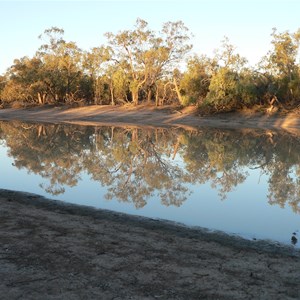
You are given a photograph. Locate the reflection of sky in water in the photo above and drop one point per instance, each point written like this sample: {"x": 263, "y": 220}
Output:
{"x": 245, "y": 211}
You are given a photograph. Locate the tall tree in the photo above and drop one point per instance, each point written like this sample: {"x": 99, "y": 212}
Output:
{"x": 224, "y": 85}
{"x": 146, "y": 56}
{"x": 25, "y": 83}
{"x": 195, "y": 82}
{"x": 94, "y": 64}
{"x": 62, "y": 65}
{"x": 280, "y": 63}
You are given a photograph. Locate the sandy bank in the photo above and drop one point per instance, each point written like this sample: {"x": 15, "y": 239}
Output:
{"x": 52, "y": 250}
{"x": 151, "y": 117}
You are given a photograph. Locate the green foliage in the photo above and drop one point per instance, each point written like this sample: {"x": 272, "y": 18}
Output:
{"x": 228, "y": 85}
{"x": 194, "y": 84}
{"x": 224, "y": 90}
{"x": 24, "y": 81}
{"x": 284, "y": 53}
{"x": 247, "y": 90}
{"x": 281, "y": 63}
{"x": 61, "y": 66}
{"x": 227, "y": 57}
{"x": 147, "y": 56}
{"x": 141, "y": 64}
{"x": 14, "y": 92}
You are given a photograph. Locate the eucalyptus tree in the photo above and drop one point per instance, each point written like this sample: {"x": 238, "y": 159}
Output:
{"x": 62, "y": 63}
{"x": 24, "y": 82}
{"x": 195, "y": 81}
{"x": 284, "y": 53}
{"x": 118, "y": 84}
{"x": 3, "y": 81}
{"x": 281, "y": 64}
{"x": 164, "y": 92}
{"x": 95, "y": 65}
{"x": 147, "y": 56}
{"x": 224, "y": 88}
{"x": 169, "y": 51}
{"x": 129, "y": 47}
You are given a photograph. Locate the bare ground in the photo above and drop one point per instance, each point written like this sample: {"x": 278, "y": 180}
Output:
{"x": 52, "y": 250}
{"x": 152, "y": 116}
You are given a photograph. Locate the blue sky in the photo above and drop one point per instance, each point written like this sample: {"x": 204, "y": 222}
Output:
{"x": 248, "y": 24}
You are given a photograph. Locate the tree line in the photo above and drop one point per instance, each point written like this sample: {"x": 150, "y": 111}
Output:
{"x": 143, "y": 65}
{"x": 135, "y": 164}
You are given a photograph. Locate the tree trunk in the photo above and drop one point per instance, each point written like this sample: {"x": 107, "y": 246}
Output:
{"x": 97, "y": 95}
{"x": 41, "y": 98}
{"x": 176, "y": 149}
{"x": 149, "y": 96}
{"x": 134, "y": 135}
{"x": 112, "y": 94}
{"x": 271, "y": 108}
{"x": 41, "y": 130}
{"x": 177, "y": 91}
{"x": 135, "y": 96}
{"x": 157, "y": 97}
{"x": 134, "y": 89}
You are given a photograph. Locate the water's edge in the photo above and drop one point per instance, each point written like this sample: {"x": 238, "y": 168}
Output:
{"x": 178, "y": 229}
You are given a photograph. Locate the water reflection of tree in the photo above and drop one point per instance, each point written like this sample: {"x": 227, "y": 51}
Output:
{"x": 132, "y": 163}
{"x": 135, "y": 164}
{"x": 212, "y": 157}
{"x": 45, "y": 150}
{"x": 284, "y": 173}
{"x": 221, "y": 157}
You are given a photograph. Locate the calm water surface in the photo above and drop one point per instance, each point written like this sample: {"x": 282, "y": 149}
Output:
{"x": 244, "y": 182}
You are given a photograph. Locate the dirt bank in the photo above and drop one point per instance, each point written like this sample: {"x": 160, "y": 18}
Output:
{"x": 51, "y": 250}
{"x": 151, "y": 116}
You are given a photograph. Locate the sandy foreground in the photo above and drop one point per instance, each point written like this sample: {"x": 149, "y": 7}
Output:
{"x": 53, "y": 250}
